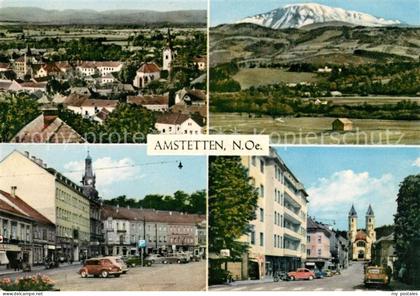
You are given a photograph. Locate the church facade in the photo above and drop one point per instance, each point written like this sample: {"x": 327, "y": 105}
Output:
{"x": 360, "y": 240}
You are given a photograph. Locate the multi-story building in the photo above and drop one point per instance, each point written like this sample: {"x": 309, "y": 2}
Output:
{"x": 16, "y": 235}
{"x": 163, "y": 231}
{"x": 277, "y": 238}
{"x": 318, "y": 244}
{"x": 89, "y": 190}
{"x": 55, "y": 196}
{"x": 43, "y": 230}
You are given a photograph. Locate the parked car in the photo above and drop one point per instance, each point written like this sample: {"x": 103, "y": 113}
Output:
{"x": 376, "y": 275}
{"x": 319, "y": 274}
{"x": 103, "y": 267}
{"x": 328, "y": 272}
{"x": 280, "y": 276}
{"x": 177, "y": 259}
{"x": 301, "y": 274}
{"x": 157, "y": 258}
{"x": 134, "y": 261}
{"x": 121, "y": 262}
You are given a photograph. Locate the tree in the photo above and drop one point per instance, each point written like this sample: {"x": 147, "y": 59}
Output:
{"x": 232, "y": 204}
{"x": 129, "y": 124}
{"x": 15, "y": 112}
{"x": 407, "y": 223}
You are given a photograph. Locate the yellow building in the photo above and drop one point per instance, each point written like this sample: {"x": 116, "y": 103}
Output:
{"x": 53, "y": 195}
{"x": 361, "y": 241}
{"x": 278, "y": 235}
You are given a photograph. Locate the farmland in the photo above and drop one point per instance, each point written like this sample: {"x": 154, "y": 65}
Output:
{"x": 317, "y": 130}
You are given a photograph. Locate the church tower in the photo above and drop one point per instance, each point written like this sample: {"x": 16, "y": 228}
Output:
{"x": 370, "y": 224}
{"x": 352, "y": 224}
{"x": 89, "y": 179}
{"x": 168, "y": 54}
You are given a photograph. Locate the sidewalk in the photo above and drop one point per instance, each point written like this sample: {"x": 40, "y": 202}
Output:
{"x": 399, "y": 286}
{"x": 245, "y": 282}
{"x": 38, "y": 268}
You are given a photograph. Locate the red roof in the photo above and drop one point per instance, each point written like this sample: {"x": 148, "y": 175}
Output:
{"x": 150, "y": 215}
{"x": 361, "y": 235}
{"x": 149, "y": 68}
{"x": 25, "y": 208}
{"x": 148, "y": 100}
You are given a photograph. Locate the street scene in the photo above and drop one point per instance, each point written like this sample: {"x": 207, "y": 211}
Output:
{"x": 339, "y": 220}
{"x": 76, "y": 74}
{"x": 120, "y": 223}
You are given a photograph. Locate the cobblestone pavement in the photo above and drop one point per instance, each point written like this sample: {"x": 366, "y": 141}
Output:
{"x": 159, "y": 277}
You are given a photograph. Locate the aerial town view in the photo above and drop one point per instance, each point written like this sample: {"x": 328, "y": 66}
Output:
{"x": 75, "y": 74}
{"x": 339, "y": 220}
{"x": 309, "y": 73}
{"x": 76, "y": 219}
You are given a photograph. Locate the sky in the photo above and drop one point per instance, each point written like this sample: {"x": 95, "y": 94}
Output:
{"x": 228, "y": 11}
{"x": 336, "y": 178}
{"x": 100, "y": 5}
{"x": 138, "y": 181}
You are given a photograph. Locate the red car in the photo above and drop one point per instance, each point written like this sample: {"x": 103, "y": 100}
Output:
{"x": 301, "y": 274}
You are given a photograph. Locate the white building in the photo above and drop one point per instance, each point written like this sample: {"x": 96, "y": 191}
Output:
{"x": 178, "y": 123}
{"x": 153, "y": 103}
{"x": 87, "y": 107}
{"x": 146, "y": 74}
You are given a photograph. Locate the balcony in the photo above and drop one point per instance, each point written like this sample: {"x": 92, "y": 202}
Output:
{"x": 292, "y": 198}
{"x": 292, "y": 216}
{"x": 292, "y": 234}
{"x": 291, "y": 253}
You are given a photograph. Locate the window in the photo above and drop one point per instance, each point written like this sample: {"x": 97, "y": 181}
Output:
{"x": 275, "y": 218}
{"x": 308, "y": 238}
{"x": 308, "y": 252}
{"x": 275, "y": 241}
{"x": 262, "y": 166}
{"x": 262, "y": 190}
{"x": 319, "y": 239}
{"x": 252, "y": 235}
{"x": 261, "y": 239}
{"x": 261, "y": 214}
{"x": 319, "y": 252}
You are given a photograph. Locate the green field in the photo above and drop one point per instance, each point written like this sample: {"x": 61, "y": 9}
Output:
{"x": 372, "y": 100}
{"x": 248, "y": 77}
{"x": 317, "y": 130}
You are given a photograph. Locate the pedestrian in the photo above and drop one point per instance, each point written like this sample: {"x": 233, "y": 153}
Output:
{"x": 20, "y": 263}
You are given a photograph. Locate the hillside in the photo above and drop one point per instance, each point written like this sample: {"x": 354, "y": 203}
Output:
{"x": 334, "y": 43}
{"x": 91, "y": 17}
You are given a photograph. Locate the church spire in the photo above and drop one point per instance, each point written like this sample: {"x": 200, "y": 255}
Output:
{"x": 89, "y": 179}
{"x": 352, "y": 212}
{"x": 370, "y": 211}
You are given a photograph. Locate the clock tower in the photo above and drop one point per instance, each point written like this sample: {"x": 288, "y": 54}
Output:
{"x": 89, "y": 179}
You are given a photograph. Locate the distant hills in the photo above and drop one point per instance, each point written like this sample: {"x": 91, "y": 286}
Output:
{"x": 300, "y": 15}
{"x": 91, "y": 17}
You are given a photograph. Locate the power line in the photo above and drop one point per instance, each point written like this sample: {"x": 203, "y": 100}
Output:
{"x": 96, "y": 169}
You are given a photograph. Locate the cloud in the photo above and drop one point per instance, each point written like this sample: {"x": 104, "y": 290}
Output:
{"x": 332, "y": 197}
{"x": 416, "y": 163}
{"x": 108, "y": 172}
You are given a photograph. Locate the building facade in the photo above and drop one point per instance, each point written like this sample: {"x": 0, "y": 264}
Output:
{"x": 319, "y": 244}
{"x": 53, "y": 195}
{"x": 361, "y": 241}
{"x": 277, "y": 238}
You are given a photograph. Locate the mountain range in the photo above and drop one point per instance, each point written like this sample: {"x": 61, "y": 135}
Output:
{"x": 300, "y": 15}
{"x": 91, "y": 17}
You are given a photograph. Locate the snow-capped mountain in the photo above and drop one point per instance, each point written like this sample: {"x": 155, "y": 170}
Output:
{"x": 299, "y": 15}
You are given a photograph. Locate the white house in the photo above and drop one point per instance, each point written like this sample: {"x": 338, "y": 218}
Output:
{"x": 200, "y": 62}
{"x": 87, "y": 107}
{"x": 108, "y": 67}
{"x": 86, "y": 68}
{"x": 145, "y": 74}
{"x": 4, "y": 67}
{"x": 178, "y": 123}
{"x": 107, "y": 78}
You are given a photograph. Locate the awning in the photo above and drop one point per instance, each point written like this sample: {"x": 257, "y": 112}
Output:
{"x": 12, "y": 248}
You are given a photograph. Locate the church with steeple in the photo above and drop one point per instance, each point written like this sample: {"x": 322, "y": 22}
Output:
{"x": 360, "y": 240}
{"x": 168, "y": 54}
{"x": 89, "y": 189}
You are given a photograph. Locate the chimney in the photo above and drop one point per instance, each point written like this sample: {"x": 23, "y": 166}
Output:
{"x": 27, "y": 154}
{"x": 49, "y": 115}
{"x": 13, "y": 191}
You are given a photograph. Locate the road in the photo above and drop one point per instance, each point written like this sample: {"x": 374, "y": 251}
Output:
{"x": 351, "y": 279}
{"x": 159, "y": 277}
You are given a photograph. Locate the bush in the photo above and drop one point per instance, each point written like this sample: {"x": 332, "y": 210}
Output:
{"x": 29, "y": 283}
